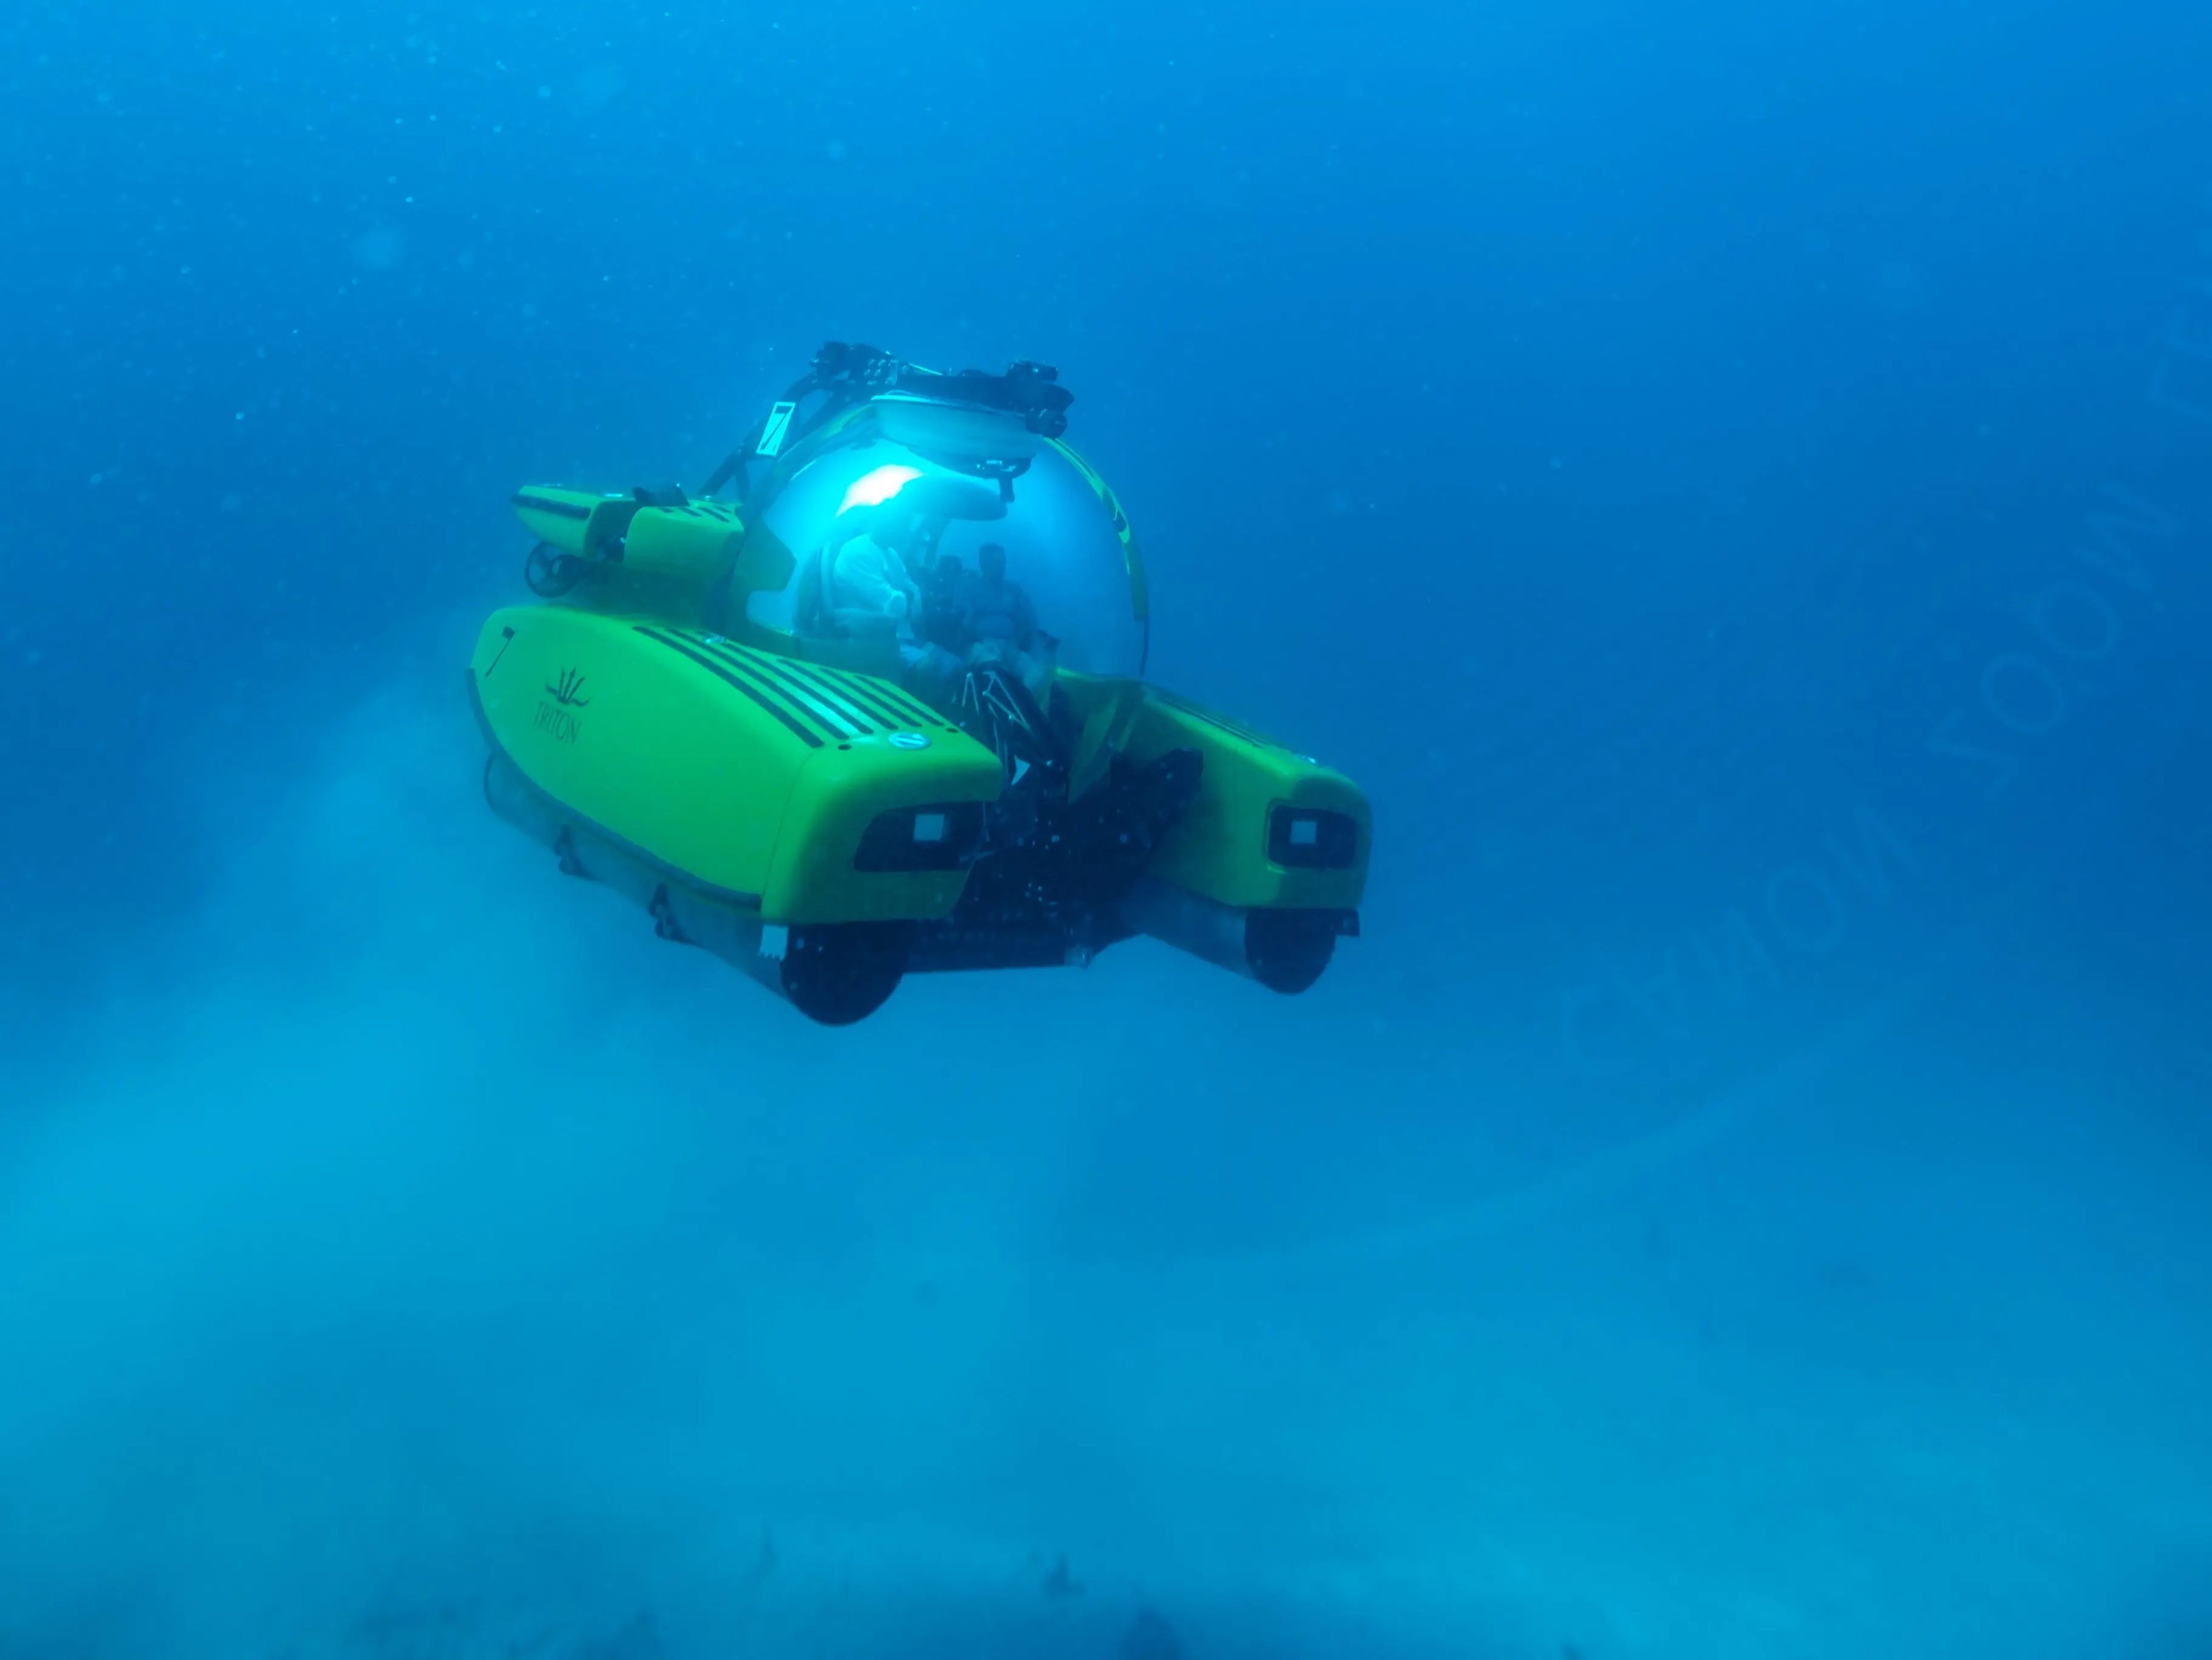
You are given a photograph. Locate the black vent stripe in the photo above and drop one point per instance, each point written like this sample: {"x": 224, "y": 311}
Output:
{"x": 839, "y": 725}
{"x": 828, "y": 697}
{"x": 904, "y": 711}
{"x": 766, "y": 669}
{"x": 529, "y": 503}
{"x": 742, "y": 663}
{"x": 879, "y": 709}
{"x": 839, "y": 690}
{"x": 876, "y": 696}
{"x": 863, "y": 698}
{"x": 760, "y": 691}
{"x": 723, "y": 674}
{"x": 917, "y": 713}
{"x": 842, "y": 720}
{"x": 841, "y": 701}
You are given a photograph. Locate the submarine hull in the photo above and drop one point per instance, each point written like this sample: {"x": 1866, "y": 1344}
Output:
{"x": 826, "y": 833}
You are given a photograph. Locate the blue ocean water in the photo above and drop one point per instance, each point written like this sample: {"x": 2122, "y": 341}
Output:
{"x": 1730, "y": 482}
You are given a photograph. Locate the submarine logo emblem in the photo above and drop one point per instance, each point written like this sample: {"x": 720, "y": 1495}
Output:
{"x": 909, "y": 740}
{"x": 554, "y": 719}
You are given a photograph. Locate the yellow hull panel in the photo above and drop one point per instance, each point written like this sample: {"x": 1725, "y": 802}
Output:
{"x": 1220, "y": 847}
{"x": 750, "y": 777}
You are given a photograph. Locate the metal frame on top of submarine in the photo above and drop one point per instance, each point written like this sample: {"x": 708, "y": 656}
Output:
{"x": 690, "y": 718}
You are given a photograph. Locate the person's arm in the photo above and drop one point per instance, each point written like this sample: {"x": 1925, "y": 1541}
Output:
{"x": 866, "y": 575}
{"x": 900, "y": 576}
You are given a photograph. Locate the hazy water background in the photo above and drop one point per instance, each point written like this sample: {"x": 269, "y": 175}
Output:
{"x": 1732, "y": 483}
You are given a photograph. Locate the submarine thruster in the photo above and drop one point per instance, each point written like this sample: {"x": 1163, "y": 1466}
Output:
{"x": 872, "y": 704}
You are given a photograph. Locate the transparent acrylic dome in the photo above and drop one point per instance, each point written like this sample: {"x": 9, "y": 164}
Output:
{"x": 1062, "y": 547}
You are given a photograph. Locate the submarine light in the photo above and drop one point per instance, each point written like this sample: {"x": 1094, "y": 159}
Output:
{"x": 874, "y": 488}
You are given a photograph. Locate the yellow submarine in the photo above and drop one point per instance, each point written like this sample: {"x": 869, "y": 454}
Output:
{"x": 882, "y": 710}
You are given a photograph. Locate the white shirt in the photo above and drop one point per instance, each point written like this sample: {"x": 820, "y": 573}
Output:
{"x": 868, "y": 576}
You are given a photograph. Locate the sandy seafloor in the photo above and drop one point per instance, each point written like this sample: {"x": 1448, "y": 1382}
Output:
{"x": 421, "y": 1262}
